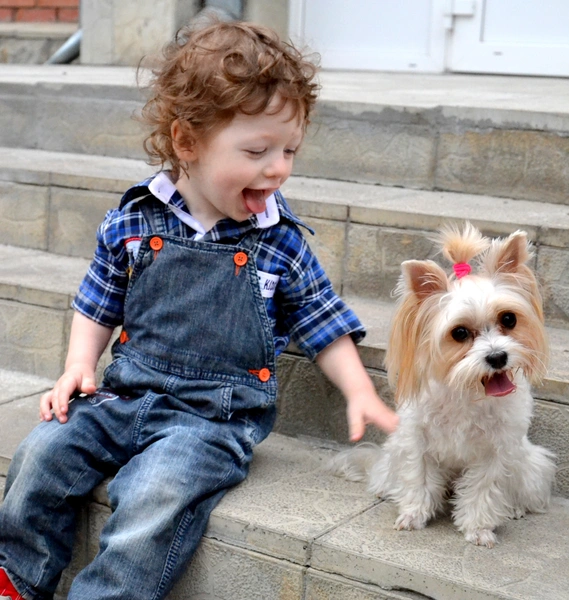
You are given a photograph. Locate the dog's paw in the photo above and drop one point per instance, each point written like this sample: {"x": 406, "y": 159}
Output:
{"x": 518, "y": 513}
{"x": 482, "y": 537}
{"x": 410, "y": 522}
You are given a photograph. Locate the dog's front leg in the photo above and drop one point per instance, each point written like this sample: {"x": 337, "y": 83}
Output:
{"x": 411, "y": 478}
{"x": 481, "y": 502}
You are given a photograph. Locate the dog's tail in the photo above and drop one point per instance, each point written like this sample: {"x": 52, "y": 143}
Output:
{"x": 354, "y": 464}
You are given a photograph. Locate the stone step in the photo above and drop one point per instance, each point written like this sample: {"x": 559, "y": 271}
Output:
{"x": 36, "y": 289}
{"x": 294, "y": 531}
{"x": 32, "y": 43}
{"x": 500, "y": 136}
{"x": 54, "y": 201}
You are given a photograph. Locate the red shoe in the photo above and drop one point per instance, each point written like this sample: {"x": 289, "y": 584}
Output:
{"x": 7, "y": 589}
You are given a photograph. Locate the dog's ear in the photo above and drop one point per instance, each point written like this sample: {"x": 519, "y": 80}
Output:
{"x": 424, "y": 278}
{"x": 421, "y": 282}
{"x": 506, "y": 261}
{"x": 508, "y": 255}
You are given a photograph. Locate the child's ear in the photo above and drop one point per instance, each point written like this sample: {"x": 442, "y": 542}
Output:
{"x": 184, "y": 151}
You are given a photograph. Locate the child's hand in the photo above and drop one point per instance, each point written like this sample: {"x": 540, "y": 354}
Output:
{"x": 87, "y": 341}
{"x": 75, "y": 379}
{"x": 341, "y": 363}
{"x": 368, "y": 408}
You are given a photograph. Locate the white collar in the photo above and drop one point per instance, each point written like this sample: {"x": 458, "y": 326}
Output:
{"x": 163, "y": 188}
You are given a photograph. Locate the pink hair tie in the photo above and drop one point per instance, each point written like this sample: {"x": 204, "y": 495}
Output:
{"x": 461, "y": 269}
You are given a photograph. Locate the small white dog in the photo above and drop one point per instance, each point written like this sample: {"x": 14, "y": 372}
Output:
{"x": 463, "y": 352}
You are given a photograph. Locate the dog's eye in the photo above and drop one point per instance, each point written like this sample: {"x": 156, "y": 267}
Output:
{"x": 508, "y": 320}
{"x": 460, "y": 334}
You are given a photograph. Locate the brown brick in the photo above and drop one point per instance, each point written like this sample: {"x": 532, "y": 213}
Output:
{"x": 35, "y": 14}
{"x": 6, "y": 15}
{"x": 17, "y": 3}
{"x": 58, "y": 3}
{"x": 68, "y": 15}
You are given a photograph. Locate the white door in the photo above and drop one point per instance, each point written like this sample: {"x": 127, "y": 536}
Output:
{"x": 381, "y": 35}
{"x": 523, "y": 37}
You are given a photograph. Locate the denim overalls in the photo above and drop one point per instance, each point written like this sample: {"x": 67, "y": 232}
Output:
{"x": 190, "y": 391}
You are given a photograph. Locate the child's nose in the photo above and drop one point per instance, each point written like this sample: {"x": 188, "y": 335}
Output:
{"x": 278, "y": 168}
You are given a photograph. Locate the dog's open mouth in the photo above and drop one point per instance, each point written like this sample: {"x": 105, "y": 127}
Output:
{"x": 499, "y": 384}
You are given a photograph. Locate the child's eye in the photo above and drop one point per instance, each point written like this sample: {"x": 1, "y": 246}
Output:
{"x": 256, "y": 152}
{"x": 290, "y": 151}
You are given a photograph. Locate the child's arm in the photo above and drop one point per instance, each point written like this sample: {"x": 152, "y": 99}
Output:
{"x": 341, "y": 363}
{"x": 87, "y": 341}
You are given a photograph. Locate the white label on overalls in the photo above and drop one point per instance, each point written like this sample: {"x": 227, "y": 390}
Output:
{"x": 268, "y": 283}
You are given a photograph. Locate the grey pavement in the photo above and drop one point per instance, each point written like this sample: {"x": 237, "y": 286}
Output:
{"x": 294, "y": 529}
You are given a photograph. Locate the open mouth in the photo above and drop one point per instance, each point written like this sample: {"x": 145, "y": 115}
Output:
{"x": 255, "y": 200}
{"x": 499, "y": 384}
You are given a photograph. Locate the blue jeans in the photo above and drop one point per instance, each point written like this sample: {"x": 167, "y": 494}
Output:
{"x": 171, "y": 467}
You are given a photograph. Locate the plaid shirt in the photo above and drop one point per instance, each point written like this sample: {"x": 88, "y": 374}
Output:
{"x": 303, "y": 307}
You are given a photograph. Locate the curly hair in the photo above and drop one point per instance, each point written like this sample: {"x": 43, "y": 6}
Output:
{"x": 208, "y": 75}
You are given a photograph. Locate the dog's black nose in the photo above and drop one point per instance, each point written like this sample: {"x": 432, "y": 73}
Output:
{"x": 497, "y": 360}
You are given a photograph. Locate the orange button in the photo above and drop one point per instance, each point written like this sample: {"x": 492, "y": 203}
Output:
{"x": 123, "y": 337}
{"x": 264, "y": 375}
{"x": 156, "y": 243}
{"x": 240, "y": 259}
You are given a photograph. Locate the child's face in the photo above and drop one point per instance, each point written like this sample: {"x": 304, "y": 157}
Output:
{"x": 234, "y": 171}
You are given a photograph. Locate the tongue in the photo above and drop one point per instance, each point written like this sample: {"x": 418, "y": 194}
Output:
{"x": 499, "y": 385}
{"x": 254, "y": 200}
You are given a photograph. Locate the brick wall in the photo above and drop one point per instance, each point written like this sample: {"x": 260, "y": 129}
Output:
{"x": 63, "y": 11}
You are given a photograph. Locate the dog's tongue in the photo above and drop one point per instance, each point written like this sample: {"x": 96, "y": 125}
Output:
{"x": 499, "y": 385}
{"x": 254, "y": 200}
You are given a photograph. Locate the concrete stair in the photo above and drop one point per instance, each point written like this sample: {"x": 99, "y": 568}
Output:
{"x": 443, "y": 149}
{"x": 502, "y": 136}
{"x": 32, "y": 43}
{"x": 293, "y": 531}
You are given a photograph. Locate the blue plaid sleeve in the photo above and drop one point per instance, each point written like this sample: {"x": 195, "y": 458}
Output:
{"x": 102, "y": 292}
{"x": 314, "y": 315}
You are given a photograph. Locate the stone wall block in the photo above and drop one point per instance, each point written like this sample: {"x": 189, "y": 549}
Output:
{"x": 322, "y": 586}
{"x": 367, "y": 148}
{"x": 27, "y": 51}
{"x": 31, "y": 338}
{"x": 229, "y": 573}
{"x": 23, "y": 215}
{"x": 550, "y": 428}
{"x": 309, "y": 405}
{"x": 329, "y": 246}
{"x": 74, "y": 218}
{"x": 122, "y": 33}
{"x": 98, "y": 32}
{"x": 531, "y": 165}
{"x": 374, "y": 257}
{"x": 17, "y": 124}
{"x": 109, "y": 129}
{"x": 553, "y": 273}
